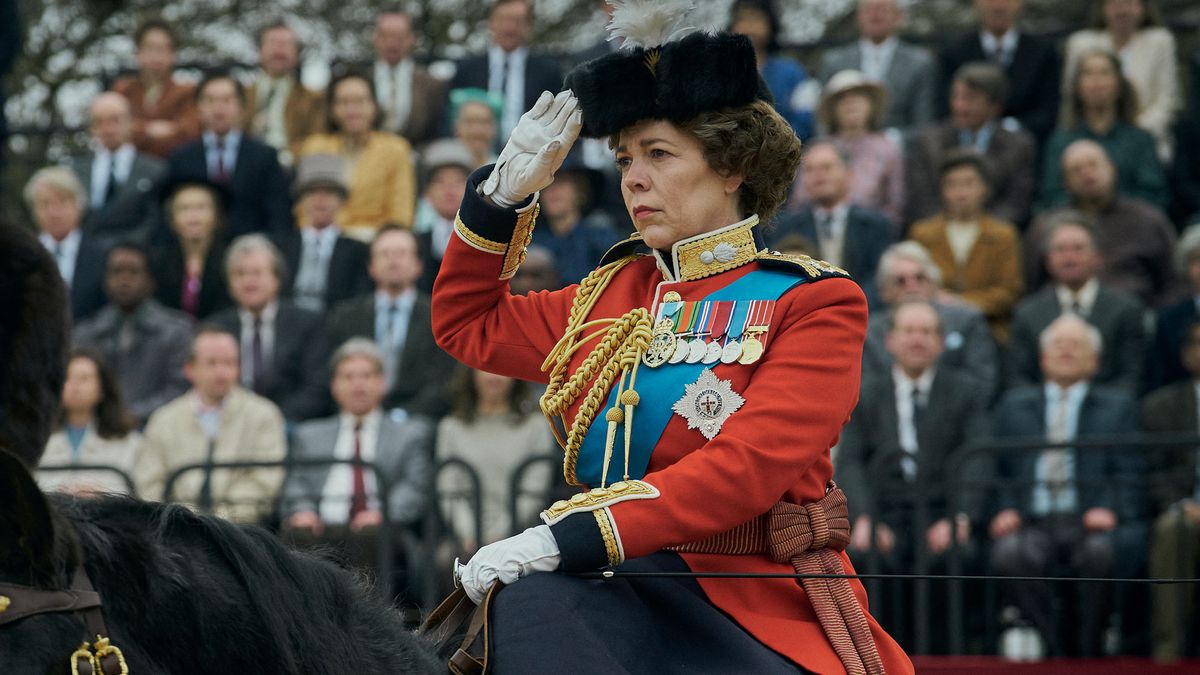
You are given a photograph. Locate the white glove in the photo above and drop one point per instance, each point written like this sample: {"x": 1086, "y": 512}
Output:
{"x": 534, "y": 550}
{"x": 537, "y": 147}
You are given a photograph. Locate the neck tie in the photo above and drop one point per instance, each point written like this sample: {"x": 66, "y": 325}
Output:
{"x": 258, "y": 375}
{"x": 394, "y": 103}
{"x": 1056, "y": 458}
{"x": 504, "y": 75}
{"x": 918, "y": 406}
{"x": 221, "y": 176}
{"x": 110, "y": 191}
{"x": 391, "y": 350}
{"x": 358, "y": 498}
{"x": 825, "y": 224}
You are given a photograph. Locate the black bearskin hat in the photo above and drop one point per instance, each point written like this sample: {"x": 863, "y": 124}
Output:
{"x": 34, "y": 343}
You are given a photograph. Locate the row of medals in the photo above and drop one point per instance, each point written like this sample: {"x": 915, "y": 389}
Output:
{"x": 667, "y": 347}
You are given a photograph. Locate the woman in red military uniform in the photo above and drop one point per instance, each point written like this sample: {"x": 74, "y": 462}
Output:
{"x": 700, "y": 380}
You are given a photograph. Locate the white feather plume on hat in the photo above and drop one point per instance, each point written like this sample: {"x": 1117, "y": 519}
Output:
{"x": 649, "y": 23}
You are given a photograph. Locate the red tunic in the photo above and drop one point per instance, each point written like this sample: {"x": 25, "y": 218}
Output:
{"x": 776, "y": 447}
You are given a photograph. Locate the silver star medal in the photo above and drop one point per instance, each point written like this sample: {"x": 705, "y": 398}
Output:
{"x": 707, "y": 403}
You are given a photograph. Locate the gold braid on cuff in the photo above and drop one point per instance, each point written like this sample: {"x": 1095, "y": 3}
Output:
{"x": 612, "y": 548}
{"x": 514, "y": 251}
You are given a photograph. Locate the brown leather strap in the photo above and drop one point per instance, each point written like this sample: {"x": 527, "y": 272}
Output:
{"x": 26, "y": 601}
{"x": 445, "y": 622}
{"x": 447, "y": 618}
{"x": 809, "y": 537}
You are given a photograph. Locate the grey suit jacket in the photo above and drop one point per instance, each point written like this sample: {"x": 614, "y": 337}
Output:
{"x": 134, "y": 210}
{"x": 911, "y": 81}
{"x": 150, "y": 371}
{"x": 970, "y": 348}
{"x": 1172, "y": 409}
{"x": 403, "y": 452}
{"x": 1117, "y": 315}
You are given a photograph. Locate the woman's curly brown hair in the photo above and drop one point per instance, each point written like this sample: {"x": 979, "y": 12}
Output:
{"x": 755, "y": 142}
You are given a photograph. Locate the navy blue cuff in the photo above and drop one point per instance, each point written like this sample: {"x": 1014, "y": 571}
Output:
{"x": 487, "y": 220}
{"x": 580, "y": 543}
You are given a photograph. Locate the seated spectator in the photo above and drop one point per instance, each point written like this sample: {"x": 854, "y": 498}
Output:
{"x": 904, "y": 434}
{"x": 977, "y": 97}
{"x": 94, "y": 429}
{"x": 1175, "y": 489}
{"x": 493, "y": 429}
{"x": 249, "y": 169}
{"x": 188, "y": 272}
{"x": 1064, "y": 509}
{"x": 851, "y": 116}
{"x": 1134, "y": 29}
{"x": 279, "y": 109}
{"x": 413, "y": 101}
{"x": 907, "y": 274}
{"x": 217, "y": 421}
{"x": 378, "y": 165}
{"x": 121, "y": 183}
{"x": 846, "y": 234}
{"x": 1185, "y": 168}
{"x": 1030, "y": 63}
{"x": 397, "y": 317}
{"x": 1171, "y": 327}
{"x": 445, "y": 165}
{"x": 145, "y": 344}
{"x": 539, "y": 272}
{"x": 473, "y": 118}
{"x": 1135, "y": 238}
{"x": 795, "y": 93}
{"x": 323, "y": 266}
{"x": 1073, "y": 258}
{"x": 57, "y": 200}
{"x": 164, "y": 109}
{"x": 906, "y": 71}
{"x": 1101, "y": 107}
{"x": 338, "y": 505}
{"x": 576, "y": 239}
{"x": 979, "y": 254}
{"x": 282, "y": 345}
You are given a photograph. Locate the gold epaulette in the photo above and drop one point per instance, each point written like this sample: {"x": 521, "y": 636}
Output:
{"x": 810, "y": 267}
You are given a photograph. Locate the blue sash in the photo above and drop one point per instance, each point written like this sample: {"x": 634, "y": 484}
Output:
{"x": 659, "y": 389}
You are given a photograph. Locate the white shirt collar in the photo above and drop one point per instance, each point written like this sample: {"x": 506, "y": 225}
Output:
{"x": 325, "y": 237}
{"x": 904, "y": 383}
{"x": 1073, "y": 393}
{"x": 403, "y": 302}
{"x": 1086, "y": 295}
{"x": 1007, "y": 42}
{"x": 69, "y": 246}
{"x": 267, "y": 314}
{"x": 883, "y": 48}
{"x": 370, "y": 421}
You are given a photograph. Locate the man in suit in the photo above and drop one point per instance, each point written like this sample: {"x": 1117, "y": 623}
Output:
{"x": 1175, "y": 542}
{"x": 1029, "y": 61}
{"x": 279, "y": 109}
{"x": 508, "y": 67}
{"x": 283, "y": 346}
{"x": 398, "y": 319}
{"x": 339, "y": 504}
{"x": 323, "y": 267}
{"x": 1066, "y": 509}
{"x": 413, "y": 101}
{"x": 248, "y": 168}
{"x": 907, "y": 273}
{"x": 1073, "y": 258}
{"x": 215, "y": 421}
{"x": 121, "y": 183}
{"x": 57, "y": 200}
{"x": 1164, "y": 365}
{"x": 977, "y": 95}
{"x": 1136, "y": 239}
{"x": 847, "y": 235}
{"x": 445, "y": 165}
{"x": 145, "y": 343}
{"x": 907, "y": 72}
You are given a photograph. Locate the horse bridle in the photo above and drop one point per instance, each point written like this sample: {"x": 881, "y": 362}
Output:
{"x": 98, "y": 658}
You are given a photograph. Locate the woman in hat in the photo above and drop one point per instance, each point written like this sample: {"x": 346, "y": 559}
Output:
{"x": 851, "y": 117}
{"x": 701, "y": 382}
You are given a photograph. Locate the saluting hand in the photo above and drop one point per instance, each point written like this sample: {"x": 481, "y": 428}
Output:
{"x": 537, "y": 147}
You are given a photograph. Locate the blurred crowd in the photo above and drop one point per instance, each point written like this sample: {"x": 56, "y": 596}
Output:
{"x": 250, "y": 262}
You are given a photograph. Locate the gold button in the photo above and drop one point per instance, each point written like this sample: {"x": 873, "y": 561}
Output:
{"x": 4, "y": 603}
{"x": 578, "y": 498}
{"x": 560, "y": 505}
{"x": 619, "y": 486}
{"x": 672, "y": 296}
{"x": 598, "y": 492}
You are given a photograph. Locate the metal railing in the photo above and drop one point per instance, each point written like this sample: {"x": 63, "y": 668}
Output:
{"x": 97, "y": 468}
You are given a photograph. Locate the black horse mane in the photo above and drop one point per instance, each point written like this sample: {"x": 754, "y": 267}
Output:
{"x": 188, "y": 593}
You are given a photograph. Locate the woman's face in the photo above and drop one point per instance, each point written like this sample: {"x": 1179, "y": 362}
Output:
{"x": 1099, "y": 84}
{"x": 81, "y": 391}
{"x": 193, "y": 214}
{"x": 476, "y": 127}
{"x": 560, "y": 198}
{"x": 670, "y": 190}
{"x": 156, "y": 54}
{"x": 492, "y": 387}
{"x": 852, "y": 111}
{"x": 963, "y": 192}
{"x": 1123, "y": 16}
{"x": 353, "y": 106}
{"x": 754, "y": 25}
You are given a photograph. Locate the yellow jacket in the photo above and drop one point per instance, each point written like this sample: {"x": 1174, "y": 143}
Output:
{"x": 382, "y": 180}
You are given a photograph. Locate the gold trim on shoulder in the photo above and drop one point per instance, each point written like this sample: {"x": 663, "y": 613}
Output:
{"x": 813, "y": 267}
{"x": 514, "y": 251}
{"x": 599, "y": 498}
{"x": 718, "y": 251}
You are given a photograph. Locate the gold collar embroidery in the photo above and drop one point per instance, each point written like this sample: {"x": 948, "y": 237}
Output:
{"x": 711, "y": 252}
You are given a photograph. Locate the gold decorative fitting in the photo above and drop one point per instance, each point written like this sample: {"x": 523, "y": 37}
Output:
{"x": 476, "y": 241}
{"x": 813, "y": 267}
{"x": 599, "y": 498}
{"x": 612, "y": 546}
{"x": 104, "y": 648}
{"x": 5, "y": 601}
{"x": 651, "y": 60}
{"x": 672, "y": 296}
{"x": 720, "y": 251}
{"x": 514, "y": 253}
